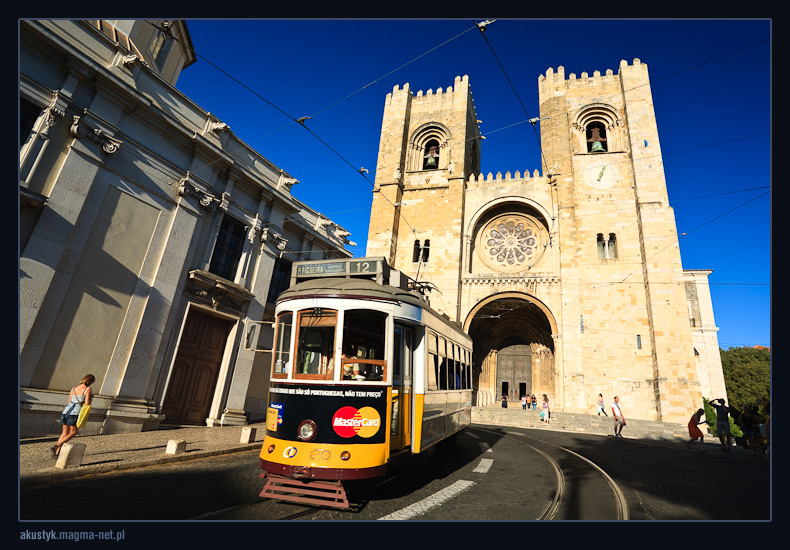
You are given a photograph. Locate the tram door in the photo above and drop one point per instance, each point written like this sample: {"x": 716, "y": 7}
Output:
{"x": 400, "y": 435}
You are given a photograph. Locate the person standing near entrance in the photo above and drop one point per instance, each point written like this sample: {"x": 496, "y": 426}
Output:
{"x": 504, "y": 401}
{"x": 534, "y": 402}
{"x": 619, "y": 419}
{"x": 524, "y": 402}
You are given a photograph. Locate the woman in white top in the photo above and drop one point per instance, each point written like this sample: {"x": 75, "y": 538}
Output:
{"x": 78, "y": 396}
{"x": 546, "y": 409}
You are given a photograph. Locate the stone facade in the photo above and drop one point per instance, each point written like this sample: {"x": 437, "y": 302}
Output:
{"x": 570, "y": 282}
{"x": 153, "y": 241}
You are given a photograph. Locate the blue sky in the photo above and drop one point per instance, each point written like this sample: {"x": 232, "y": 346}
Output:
{"x": 711, "y": 84}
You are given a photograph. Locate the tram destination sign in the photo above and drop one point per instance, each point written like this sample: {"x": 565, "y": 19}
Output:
{"x": 342, "y": 268}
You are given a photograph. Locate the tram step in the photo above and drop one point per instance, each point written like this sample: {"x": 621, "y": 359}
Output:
{"x": 313, "y": 492}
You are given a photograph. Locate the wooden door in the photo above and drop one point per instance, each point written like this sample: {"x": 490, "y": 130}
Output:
{"x": 514, "y": 370}
{"x": 196, "y": 368}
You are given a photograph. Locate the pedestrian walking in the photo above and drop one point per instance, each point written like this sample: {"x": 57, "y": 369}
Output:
{"x": 78, "y": 396}
{"x": 504, "y": 401}
{"x": 534, "y": 402}
{"x": 722, "y": 422}
{"x": 601, "y": 409}
{"x": 524, "y": 402}
{"x": 694, "y": 432}
{"x": 619, "y": 419}
{"x": 546, "y": 413}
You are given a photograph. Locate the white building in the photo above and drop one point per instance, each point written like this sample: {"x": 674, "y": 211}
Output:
{"x": 153, "y": 241}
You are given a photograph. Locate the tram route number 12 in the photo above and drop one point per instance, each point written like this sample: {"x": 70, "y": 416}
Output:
{"x": 361, "y": 267}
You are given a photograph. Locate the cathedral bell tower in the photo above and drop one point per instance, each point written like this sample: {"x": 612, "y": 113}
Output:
{"x": 430, "y": 144}
{"x": 620, "y": 265}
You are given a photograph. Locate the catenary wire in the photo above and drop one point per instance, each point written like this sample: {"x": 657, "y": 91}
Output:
{"x": 494, "y": 53}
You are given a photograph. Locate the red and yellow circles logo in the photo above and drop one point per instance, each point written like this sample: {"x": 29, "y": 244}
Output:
{"x": 349, "y": 422}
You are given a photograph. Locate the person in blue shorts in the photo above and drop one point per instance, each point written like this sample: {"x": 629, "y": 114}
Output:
{"x": 78, "y": 396}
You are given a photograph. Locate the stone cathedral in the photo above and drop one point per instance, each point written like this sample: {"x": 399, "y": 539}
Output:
{"x": 569, "y": 281}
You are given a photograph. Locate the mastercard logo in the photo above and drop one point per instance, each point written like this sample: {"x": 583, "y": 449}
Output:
{"x": 349, "y": 421}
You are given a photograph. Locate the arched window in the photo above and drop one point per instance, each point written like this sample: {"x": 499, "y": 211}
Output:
{"x": 612, "y": 246}
{"x": 429, "y": 148}
{"x": 415, "y": 256}
{"x": 599, "y": 128}
{"x": 607, "y": 248}
{"x": 426, "y": 250}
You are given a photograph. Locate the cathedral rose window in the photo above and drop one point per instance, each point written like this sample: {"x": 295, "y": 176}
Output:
{"x": 512, "y": 242}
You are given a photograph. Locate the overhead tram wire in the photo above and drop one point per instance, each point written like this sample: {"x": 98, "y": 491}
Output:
{"x": 360, "y": 171}
{"x": 670, "y": 75}
{"x": 690, "y": 231}
{"x": 378, "y": 79}
{"x": 482, "y": 26}
{"x": 301, "y": 120}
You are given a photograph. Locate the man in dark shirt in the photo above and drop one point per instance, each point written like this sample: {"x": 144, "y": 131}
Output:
{"x": 722, "y": 422}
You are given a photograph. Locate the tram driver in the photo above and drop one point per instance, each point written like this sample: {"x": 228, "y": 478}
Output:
{"x": 350, "y": 370}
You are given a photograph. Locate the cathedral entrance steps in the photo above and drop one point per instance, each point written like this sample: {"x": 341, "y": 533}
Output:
{"x": 515, "y": 416}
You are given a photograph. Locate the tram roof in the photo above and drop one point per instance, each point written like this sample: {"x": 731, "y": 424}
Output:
{"x": 349, "y": 287}
{"x": 359, "y": 288}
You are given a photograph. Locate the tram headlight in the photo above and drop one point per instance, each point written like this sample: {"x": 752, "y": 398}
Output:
{"x": 307, "y": 430}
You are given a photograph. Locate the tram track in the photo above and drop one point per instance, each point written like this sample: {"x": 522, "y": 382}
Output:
{"x": 576, "y": 488}
{"x": 559, "y": 507}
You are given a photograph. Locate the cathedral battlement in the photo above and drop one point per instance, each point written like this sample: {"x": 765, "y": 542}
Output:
{"x": 490, "y": 178}
{"x": 555, "y": 81}
{"x": 461, "y": 84}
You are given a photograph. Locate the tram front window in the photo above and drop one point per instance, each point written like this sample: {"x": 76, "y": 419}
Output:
{"x": 282, "y": 354}
{"x": 363, "y": 345}
{"x": 315, "y": 344}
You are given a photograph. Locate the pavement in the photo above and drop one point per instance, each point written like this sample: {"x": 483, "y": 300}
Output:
{"x": 114, "y": 452}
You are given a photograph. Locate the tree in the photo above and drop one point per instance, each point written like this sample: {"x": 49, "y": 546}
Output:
{"x": 747, "y": 375}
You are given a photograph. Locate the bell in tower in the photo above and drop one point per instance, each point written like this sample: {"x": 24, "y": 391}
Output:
{"x": 431, "y": 159}
{"x": 597, "y": 141}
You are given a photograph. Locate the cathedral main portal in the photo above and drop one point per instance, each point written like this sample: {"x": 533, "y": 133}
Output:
{"x": 514, "y": 348}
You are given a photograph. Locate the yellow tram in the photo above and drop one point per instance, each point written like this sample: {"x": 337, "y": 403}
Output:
{"x": 363, "y": 371}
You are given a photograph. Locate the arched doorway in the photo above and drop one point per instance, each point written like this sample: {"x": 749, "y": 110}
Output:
{"x": 514, "y": 347}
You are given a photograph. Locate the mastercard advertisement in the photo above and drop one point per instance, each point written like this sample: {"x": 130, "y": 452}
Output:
{"x": 341, "y": 414}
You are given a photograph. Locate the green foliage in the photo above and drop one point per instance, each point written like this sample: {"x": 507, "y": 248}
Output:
{"x": 747, "y": 375}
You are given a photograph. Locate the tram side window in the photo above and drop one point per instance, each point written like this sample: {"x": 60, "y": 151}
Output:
{"x": 459, "y": 369}
{"x": 452, "y": 378}
{"x": 467, "y": 371}
{"x": 433, "y": 361}
{"x": 460, "y": 372}
{"x": 282, "y": 351}
{"x": 443, "y": 367}
{"x": 363, "y": 345}
{"x": 315, "y": 343}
